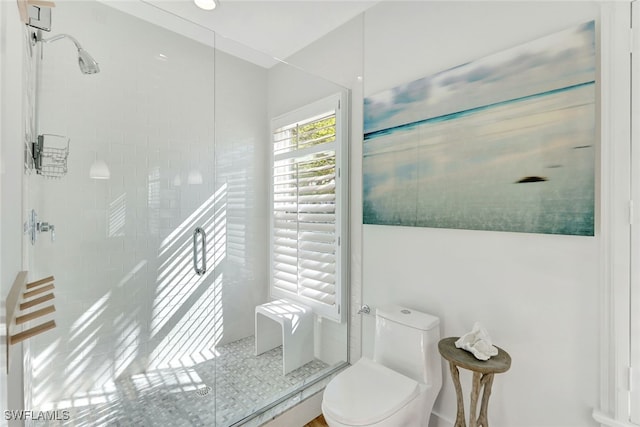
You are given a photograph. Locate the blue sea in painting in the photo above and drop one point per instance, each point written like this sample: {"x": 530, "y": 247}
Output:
{"x": 525, "y": 165}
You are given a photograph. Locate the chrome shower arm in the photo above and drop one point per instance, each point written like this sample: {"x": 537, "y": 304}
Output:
{"x": 87, "y": 64}
{"x": 60, "y": 37}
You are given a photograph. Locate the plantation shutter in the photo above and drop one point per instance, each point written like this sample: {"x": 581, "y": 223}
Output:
{"x": 305, "y": 202}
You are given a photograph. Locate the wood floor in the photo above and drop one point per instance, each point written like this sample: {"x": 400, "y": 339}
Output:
{"x": 317, "y": 422}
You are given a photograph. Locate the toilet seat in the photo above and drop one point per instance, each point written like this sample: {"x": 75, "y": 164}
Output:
{"x": 367, "y": 393}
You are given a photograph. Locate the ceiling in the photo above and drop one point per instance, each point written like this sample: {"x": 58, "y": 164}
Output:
{"x": 255, "y": 30}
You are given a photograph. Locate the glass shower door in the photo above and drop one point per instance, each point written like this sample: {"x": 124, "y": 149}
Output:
{"x": 162, "y": 224}
{"x": 134, "y": 317}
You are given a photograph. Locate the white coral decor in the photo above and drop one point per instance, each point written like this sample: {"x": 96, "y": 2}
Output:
{"x": 477, "y": 342}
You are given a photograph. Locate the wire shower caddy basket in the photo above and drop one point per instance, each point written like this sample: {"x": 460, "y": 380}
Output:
{"x": 50, "y": 154}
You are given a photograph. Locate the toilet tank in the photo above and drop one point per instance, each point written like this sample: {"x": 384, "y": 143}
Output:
{"x": 407, "y": 341}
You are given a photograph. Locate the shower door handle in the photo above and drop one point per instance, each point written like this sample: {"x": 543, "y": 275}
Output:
{"x": 200, "y": 271}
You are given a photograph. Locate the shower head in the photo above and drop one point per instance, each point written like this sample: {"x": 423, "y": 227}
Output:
{"x": 87, "y": 64}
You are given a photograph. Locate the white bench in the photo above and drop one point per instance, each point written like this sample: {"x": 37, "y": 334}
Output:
{"x": 288, "y": 324}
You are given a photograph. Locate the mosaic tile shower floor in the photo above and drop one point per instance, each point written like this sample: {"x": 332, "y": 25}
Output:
{"x": 240, "y": 384}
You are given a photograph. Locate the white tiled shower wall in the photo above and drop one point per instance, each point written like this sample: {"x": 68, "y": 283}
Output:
{"x": 183, "y": 130}
{"x": 11, "y": 168}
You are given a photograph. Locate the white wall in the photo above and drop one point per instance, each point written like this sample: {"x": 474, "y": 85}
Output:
{"x": 635, "y": 287}
{"x": 163, "y": 110}
{"x": 538, "y": 295}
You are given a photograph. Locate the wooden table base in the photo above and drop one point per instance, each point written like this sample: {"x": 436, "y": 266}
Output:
{"x": 483, "y": 372}
{"x": 480, "y": 381}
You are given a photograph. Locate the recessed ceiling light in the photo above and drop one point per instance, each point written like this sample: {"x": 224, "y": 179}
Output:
{"x": 206, "y": 4}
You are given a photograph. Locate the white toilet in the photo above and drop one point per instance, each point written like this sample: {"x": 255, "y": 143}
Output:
{"x": 399, "y": 386}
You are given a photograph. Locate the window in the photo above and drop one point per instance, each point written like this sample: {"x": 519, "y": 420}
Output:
{"x": 308, "y": 205}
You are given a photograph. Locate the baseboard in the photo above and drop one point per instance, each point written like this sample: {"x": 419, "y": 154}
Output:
{"x": 300, "y": 414}
{"x": 438, "y": 420}
{"x": 311, "y": 408}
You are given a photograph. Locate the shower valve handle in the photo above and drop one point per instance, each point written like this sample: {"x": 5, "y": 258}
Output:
{"x": 43, "y": 227}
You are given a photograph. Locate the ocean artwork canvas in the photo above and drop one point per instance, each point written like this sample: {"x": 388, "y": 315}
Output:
{"x": 504, "y": 143}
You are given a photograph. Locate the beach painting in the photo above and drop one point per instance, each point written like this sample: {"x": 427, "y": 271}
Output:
{"x": 505, "y": 143}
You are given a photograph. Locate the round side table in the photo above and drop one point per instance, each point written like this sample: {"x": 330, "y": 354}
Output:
{"x": 483, "y": 371}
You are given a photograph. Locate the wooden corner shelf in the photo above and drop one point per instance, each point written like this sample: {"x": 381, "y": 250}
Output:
{"x": 34, "y": 314}
{"x": 21, "y": 298}
{"x": 36, "y": 301}
{"x": 32, "y": 332}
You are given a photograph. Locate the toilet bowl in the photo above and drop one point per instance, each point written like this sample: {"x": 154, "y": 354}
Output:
{"x": 399, "y": 386}
{"x": 369, "y": 394}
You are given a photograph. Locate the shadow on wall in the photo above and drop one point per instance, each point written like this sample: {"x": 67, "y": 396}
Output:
{"x": 154, "y": 328}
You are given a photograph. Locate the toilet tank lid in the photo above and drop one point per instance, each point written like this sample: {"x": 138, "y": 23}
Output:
{"x": 408, "y": 316}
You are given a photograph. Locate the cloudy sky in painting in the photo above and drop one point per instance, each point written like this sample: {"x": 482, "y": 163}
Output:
{"x": 559, "y": 60}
